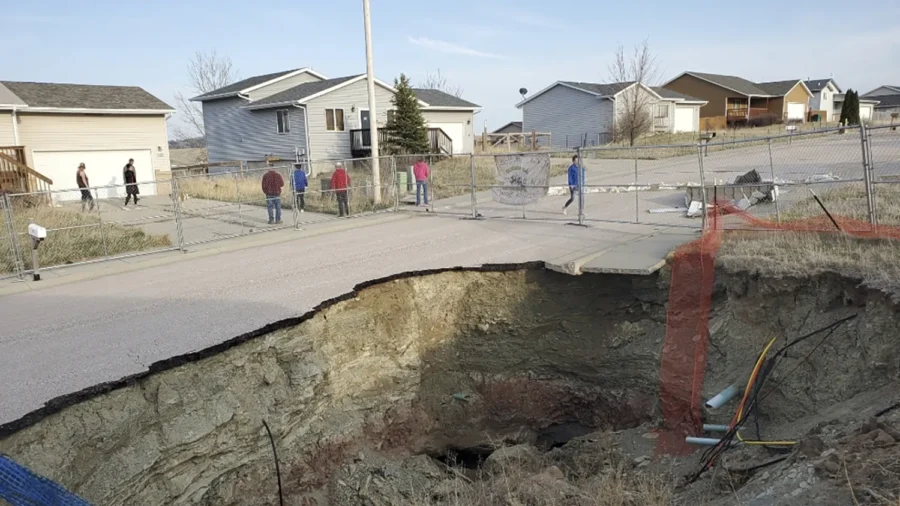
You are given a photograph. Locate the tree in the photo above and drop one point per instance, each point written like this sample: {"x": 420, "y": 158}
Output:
{"x": 407, "y": 133}
{"x": 634, "y": 115}
{"x": 206, "y": 72}
{"x": 439, "y": 82}
{"x": 850, "y": 108}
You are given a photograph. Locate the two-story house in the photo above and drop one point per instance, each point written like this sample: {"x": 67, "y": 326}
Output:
{"x": 301, "y": 113}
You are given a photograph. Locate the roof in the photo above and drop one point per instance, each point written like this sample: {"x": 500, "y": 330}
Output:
{"x": 301, "y": 91}
{"x": 516, "y": 124}
{"x": 889, "y": 86}
{"x": 604, "y": 90}
{"x": 734, "y": 83}
{"x": 778, "y": 88}
{"x": 886, "y": 101}
{"x": 8, "y": 98}
{"x": 85, "y": 96}
{"x": 235, "y": 88}
{"x": 674, "y": 95}
{"x": 815, "y": 85}
{"x": 437, "y": 98}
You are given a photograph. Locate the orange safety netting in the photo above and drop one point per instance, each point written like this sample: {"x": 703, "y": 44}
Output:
{"x": 684, "y": 353}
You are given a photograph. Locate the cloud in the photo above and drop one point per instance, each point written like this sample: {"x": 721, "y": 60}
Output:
{"x": 448, "y": 47}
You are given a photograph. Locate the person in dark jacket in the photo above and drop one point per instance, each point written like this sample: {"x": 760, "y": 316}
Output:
{"x": 130, "y": 178}
{"x": 85, "y": 186}
{"x": 272, "y": 183}
{"x": 300, "y": 184}
{"x": 573, "y": 182}
{"x": 340, "y": 182}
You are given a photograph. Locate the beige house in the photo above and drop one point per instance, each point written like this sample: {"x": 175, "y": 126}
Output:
{"x": 50, "y": 128}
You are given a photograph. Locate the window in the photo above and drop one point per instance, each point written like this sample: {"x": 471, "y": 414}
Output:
{"x": 283, "y": 120}
{"x": 390, "y": 116}
{"x": 662, "y": 111}
{"x": 334, "y": 120}
{"x": 824, "y": 95}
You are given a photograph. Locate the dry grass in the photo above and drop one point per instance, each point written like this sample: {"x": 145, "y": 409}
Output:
{"x": 73, "y": 237}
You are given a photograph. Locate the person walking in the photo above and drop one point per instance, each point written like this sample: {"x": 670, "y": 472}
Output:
{"x": 84, "y": 185}
{"x": 130, "y": 178}
{"x": 300, "y": 184}
{"x": 573, "y": 183}
{"x": 421, "y": 172}
{"x": 272, "y": 183}
{"x": 340, "y": 182}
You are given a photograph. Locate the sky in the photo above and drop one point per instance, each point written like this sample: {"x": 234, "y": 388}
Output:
{"x": 490, "y": 49}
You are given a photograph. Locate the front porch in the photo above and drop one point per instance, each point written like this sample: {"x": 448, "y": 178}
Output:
{"x": 746, "y": 108}
{"x": 16, "y": 176}
{"x": 361, "y": 142}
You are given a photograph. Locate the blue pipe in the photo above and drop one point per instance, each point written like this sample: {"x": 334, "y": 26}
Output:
{"x": 702, "y": 441}
{"x": 710, "y": 427}
{"x": 723, "y": 397}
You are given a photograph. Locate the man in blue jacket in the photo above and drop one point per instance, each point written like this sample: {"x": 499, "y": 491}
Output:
{"x": 573, "y": 182}
{"x": 300, "y": 184}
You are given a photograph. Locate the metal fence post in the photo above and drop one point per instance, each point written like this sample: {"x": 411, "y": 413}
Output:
{"x": 294, "y": 208}
{"x": 237, "y": 192}
{"x": 19, "y": 265}
{"x": 396, "y": 185}
{"x": 703, "y": 199}
{"x": 774, "y": 184}
{"x": 581, "y": 175}
{"x": 100, "y": 224}
{"x": 637, "y": 189}
{"x": 176, "y": 206}
{"x": 472, "y": 176}
{"x": 867, "y": 175}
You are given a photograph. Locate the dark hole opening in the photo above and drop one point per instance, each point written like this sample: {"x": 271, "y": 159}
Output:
{"x": 468, "y": 458}
{"x": 559, "y": 434}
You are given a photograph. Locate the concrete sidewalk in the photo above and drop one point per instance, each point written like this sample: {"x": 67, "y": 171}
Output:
{"x": 97, "y": 323}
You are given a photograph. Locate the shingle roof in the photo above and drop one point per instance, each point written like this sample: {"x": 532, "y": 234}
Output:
{"x": 666, "y": 93}
{"x": 85, "y": 96}
{"x": 777, "y": 87}
{"x": 604, "y": 90}
{"x": 886, "y": 101}
{"x": 300, "y": 92}
{"x": 514, "y": 124}
{"x": 738, "y": 84}
{"x": 234, "y": 88}
{"x": 815, "y": 85}
{"x": 437, "y": 98}
{"x": 7, "y": 97}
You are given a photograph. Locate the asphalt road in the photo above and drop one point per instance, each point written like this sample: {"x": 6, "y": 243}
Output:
{"x": 64, "y": 338}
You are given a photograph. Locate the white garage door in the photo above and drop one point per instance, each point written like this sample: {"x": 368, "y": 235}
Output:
{"x": 684, "y": 119}
{"x": 456, "y": 133}
{"x": 796, "y": 110}
{"x": 865, "y": 111}
{"x": 104, "y": 169}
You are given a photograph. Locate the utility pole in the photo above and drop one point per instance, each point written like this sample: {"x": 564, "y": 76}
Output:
{"x": 373, "y": 115}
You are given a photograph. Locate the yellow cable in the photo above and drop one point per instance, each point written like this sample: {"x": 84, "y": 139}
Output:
{"x": 747, "y": 390}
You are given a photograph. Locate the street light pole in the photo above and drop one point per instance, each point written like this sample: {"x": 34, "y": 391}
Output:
{"x": 373, "y": 115}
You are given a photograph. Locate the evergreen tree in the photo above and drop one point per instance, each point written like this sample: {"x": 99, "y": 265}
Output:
{"x": 844, "y": 108}
{"x": 853, "y": 108}
{"x": 407, "y": 133}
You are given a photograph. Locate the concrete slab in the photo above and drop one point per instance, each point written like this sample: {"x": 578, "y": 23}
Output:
{"x": 642, "y": 256}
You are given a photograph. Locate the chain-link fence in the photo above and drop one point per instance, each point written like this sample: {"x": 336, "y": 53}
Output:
{"x": 883, "y": 157}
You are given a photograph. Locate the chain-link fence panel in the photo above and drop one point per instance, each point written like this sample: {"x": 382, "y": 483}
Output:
{"x": 884, "y": 160}
{"x": 10, "y": 253}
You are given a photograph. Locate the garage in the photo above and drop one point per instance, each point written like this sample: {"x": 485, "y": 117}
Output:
{"x": 866, "y": 111}
{"x": 455, "y": 131}
{"x": 104, "y": 170}
{"x": 686, "y": 118}
{"x": 796, "y": 111}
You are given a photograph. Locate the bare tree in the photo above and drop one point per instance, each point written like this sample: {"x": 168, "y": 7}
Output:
{"x": 439, "y": 82}
{"x": 206, "y": 72}
{"x": 634, "y": 107}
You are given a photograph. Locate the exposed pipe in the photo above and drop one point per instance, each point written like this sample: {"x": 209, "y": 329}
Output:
{"x": 702, "y": 441}
{"x": 723, "y": 397}
{"x": 709, "y": 427}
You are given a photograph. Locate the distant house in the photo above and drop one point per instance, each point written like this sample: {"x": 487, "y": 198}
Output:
{"x": 888, "y": 98}
{"x": 583, "y": 114}
{"x": 513, "y": 127}
{"x": 299, "y": 113}
{"x": 829, "y": 97}
{"x": 732, "y": 99}
{"x": 52, "y": 127}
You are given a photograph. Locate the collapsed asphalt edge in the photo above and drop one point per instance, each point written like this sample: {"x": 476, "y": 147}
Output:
{"x": 60, "y": 403}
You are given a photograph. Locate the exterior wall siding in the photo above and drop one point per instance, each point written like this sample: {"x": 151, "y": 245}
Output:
{"x": 797, "y": 95}
{"x": 235, "y": 133}
{"x": 7, "y": 133}
{"x": 464, "y": 117}
{"x": 83, "y": 132}
{"x": 282, "y": 85}
{"x": 714, "y": 95}
{"x": 564, "y": 112}
{"x": 325, "y": 145}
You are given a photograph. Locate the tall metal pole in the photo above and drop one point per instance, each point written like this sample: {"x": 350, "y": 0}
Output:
{"x": 580, "y": 167}
{"x": 373, "y": 114}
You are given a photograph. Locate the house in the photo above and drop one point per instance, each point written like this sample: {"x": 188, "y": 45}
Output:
{"x": 735, "y": 100}
{"x": 301, "y": 113}
{"x": 888, "y": 105}
{"x": 866, "y": 107}
{"x": 513, "y": 127}
{"x": 582, "y": 114}
{"x": 50, "y": 128}
{"x": 829, "y": 97}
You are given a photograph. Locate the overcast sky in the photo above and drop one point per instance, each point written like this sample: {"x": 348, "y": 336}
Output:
{"x": 489, "y": 48}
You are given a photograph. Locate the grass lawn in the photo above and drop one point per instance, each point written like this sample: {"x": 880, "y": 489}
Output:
{"x": 73, "y": 237}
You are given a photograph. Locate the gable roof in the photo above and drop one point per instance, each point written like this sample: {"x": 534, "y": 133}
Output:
{"x": 884, "y": 101}
{"x": 516, "y": 124}
{"x": 245, "y": 85}
{"x": 437, "y": 98}
{"x": 674, "y": 95}
{"x": 85, "y": 97}
{"x": 893, "y": 88}
{"x": 603, "y": 90}
{"x": 300, "y": 92}
{"x": 733, "y": 83}
{"x": 779, "y": 88}
{"x": 815, "y": 85}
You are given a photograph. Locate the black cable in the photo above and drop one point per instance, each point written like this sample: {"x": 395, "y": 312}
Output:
{"x": 277, "y": 467}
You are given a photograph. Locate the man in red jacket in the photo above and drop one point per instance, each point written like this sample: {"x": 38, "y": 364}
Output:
{"x": 272, "y": 183}
{"x": 340, "y": 182}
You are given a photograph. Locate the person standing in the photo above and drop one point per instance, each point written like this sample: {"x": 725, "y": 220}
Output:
{"x": 421, "y": 172}
{"x": 272, "y": 183}
{"x": 340, "y": 182}
{"x": 84, "y": 185}
{"x": 130, "y": 178}
{"x": 573, "y": 182}
{"x": 300, "y": 184}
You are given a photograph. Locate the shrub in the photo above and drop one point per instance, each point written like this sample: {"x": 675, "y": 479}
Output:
{"x": 763, "y": 120}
